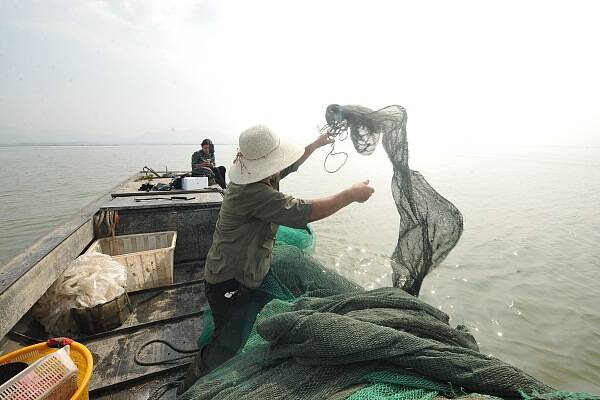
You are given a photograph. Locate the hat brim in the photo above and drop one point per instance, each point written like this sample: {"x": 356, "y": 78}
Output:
{"x": 256, "y": 170}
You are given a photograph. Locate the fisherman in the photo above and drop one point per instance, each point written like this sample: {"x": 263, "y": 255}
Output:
{"x": 240, "y": 255}
{"x": 203, "y": 164}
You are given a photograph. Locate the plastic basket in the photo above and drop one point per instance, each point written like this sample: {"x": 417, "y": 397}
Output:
{"x": 79, "y": 354}
{"x": 148, "y": 257}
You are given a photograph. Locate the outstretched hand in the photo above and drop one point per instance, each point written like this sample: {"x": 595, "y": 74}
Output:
{"x": 361, "y": 191}
{"x": 323, "y": 140}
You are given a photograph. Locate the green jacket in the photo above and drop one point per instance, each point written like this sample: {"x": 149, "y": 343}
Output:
{"x": 245, "y": 232}
{"x": 199, "y": 157}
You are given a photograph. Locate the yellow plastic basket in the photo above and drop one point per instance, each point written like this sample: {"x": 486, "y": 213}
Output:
{"x": 80, "y": 355}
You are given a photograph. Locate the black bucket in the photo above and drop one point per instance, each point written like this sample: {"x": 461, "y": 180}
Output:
{"x": 103, "y": 317}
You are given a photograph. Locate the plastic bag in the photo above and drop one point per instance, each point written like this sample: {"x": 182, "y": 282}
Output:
{"x": 90, "y": 280}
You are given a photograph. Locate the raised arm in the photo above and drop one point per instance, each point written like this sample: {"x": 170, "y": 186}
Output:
{"x": 326, "y": 206}
{"x": 323, "y": 140}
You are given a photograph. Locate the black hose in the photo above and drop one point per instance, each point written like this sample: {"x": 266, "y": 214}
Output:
{"x": 160, "y": 391}
{"x": 189, "y": 353}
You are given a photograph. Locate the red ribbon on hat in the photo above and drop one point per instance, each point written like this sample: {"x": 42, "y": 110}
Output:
{"x": 240, "y": 157}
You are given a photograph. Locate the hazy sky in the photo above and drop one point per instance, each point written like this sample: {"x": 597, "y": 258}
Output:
{"x": 468, "y": 72}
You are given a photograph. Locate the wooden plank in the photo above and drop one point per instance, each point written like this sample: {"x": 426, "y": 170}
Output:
{"x": 164, "y": 200}
{"x": 146, "y": 388}
{"x": 161, "y": 269}
{"x": 212, "y": 189}
{"x": 188, "y": 271}
{"x": 159, "y": 305}
{"x": 114, "y": 355}
{"x": 135, "y": 267}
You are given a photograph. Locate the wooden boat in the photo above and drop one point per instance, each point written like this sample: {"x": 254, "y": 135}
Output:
{"x": 172, "y": 313}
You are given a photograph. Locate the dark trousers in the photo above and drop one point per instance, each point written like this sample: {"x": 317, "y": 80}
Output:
{"x": 219, "y": 175}
{"x": 234, "y": 309}
{"x": 216, "y": 173}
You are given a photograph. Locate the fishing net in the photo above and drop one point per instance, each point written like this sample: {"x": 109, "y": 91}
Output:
{"x": 325, "y": 337}
{"x": 303, "y": 239}
{"x": 430, "y": 225}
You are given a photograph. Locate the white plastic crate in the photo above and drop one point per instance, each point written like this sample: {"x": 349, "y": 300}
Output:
{"x": 53, "y": 377}
{"x": 148, "y": 257}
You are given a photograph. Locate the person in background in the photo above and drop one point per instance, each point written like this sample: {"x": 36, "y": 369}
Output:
{"x": 203, "y": 164}
{"x": 240, "y": 255}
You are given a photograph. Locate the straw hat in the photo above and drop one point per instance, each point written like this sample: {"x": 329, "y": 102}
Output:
{"x": 261, "y": 154}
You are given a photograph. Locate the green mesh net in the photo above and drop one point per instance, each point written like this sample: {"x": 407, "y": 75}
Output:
{"x": 304, "y": 239}
{"x": 324, "y": 337}
{"x": 381, "y": 391}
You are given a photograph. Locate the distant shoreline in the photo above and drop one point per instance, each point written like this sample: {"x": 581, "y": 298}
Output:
{"x": 83, "y": 144}
{"x": 104, "y": 144}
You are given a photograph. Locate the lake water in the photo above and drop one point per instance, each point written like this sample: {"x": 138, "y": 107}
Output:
{"x": 525, "y": 276}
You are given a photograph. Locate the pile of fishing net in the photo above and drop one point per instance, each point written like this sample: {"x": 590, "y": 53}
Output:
{"x": 324, "y": 337}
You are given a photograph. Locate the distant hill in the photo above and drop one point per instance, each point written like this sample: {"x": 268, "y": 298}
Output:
{"x": 11, "y": 136}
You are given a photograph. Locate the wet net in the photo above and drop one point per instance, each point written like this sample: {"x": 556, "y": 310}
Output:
{"x": 430, "y": 226}
{"x": 324, "y": 337}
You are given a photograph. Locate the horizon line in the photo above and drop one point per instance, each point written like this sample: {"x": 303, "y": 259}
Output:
{"x": 86, "y": 144}
{"x": 66, "y": 144}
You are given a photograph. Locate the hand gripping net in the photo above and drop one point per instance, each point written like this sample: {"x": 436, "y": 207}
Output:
{"x": 430, "y": 225}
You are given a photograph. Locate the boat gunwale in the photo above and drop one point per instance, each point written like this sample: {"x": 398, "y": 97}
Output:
{"x": 23, "y": 263}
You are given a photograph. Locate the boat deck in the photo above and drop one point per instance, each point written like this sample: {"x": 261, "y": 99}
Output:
{"x": 165, "y": 200}
{"x": 171, "y": 313}
{"x": 131, "y": 188}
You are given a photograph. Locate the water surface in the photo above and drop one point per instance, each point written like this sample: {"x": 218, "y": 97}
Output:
{"x": 525, "y": 276}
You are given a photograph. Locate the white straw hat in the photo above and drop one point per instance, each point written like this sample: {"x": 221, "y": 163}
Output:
{"x": 261, "y": 154}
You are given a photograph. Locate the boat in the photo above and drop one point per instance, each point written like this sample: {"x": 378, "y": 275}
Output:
{"x": 171, "y": 313}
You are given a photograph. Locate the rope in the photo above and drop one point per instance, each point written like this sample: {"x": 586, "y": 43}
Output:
{"x": 158, "y": 394}
{"x": 331, "y": 154}
{"x": 160, "y": 391}
{"x": 137, "y": 360}
{"x": 339, "y": 132}
{"x": 110, "y": 219}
